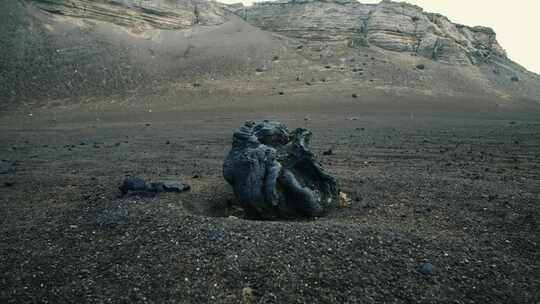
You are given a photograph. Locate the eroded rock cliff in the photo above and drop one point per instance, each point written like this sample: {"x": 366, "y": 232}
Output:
{"x": 160, "y": 14}
{"x": 393, "y": 26}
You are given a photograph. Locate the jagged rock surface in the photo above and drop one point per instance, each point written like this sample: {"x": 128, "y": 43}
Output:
{"x": 275, "y": 175}
{"x": 389, "y": 25}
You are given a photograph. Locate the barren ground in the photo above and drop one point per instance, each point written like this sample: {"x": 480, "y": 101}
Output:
{"x": 458, "y": 190}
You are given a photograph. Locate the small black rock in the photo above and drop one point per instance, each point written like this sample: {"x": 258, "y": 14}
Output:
{"x": 354, "y": 96}
{"x": 132, "y": 183}
{"x": 328, "y": 152}
{"x": 420, "y": 66}
{"x": 427, "y": 269}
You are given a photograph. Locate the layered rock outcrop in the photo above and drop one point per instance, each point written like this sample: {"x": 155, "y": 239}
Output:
{"x": 160, "y": 14}
{"x": 393, "y": 26}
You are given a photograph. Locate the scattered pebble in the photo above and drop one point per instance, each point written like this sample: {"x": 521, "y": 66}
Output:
{"x": 427, "y": 269}
{"x": 344, "y": 200}
{"x": 247, "y": 295}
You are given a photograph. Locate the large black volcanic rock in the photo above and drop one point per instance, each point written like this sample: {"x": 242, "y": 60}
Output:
{"x": 274, "y": 175}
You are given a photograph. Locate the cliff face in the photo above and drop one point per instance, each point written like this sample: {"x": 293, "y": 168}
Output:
{"x": 159, "y": 14}
{"x": 389, "y": 25}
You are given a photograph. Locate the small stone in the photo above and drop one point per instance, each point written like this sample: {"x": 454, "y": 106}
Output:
{"x": 9, "y": 184}
{"x": 247, "y": 295}
{"x": 328, "y": 152}
{"x": 5, "y": 167}
{"x": 344, "y": 200}
{"x": 354, "y": 95}
{"x": 132, "y": 183}
{"x": 420, "y": 66}
{"x": 281, "y": 93}
{"x": 174, "y": 186}
{"x": 427, "y": 269}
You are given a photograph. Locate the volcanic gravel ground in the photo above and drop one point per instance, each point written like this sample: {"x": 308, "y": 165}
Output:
{"x": 459, "y": 193}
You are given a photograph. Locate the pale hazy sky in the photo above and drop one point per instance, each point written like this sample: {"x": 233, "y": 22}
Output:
{"x": 516, "y": 22}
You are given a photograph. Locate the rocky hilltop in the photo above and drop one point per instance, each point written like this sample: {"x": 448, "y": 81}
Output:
{"x": 393, "y": 26}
